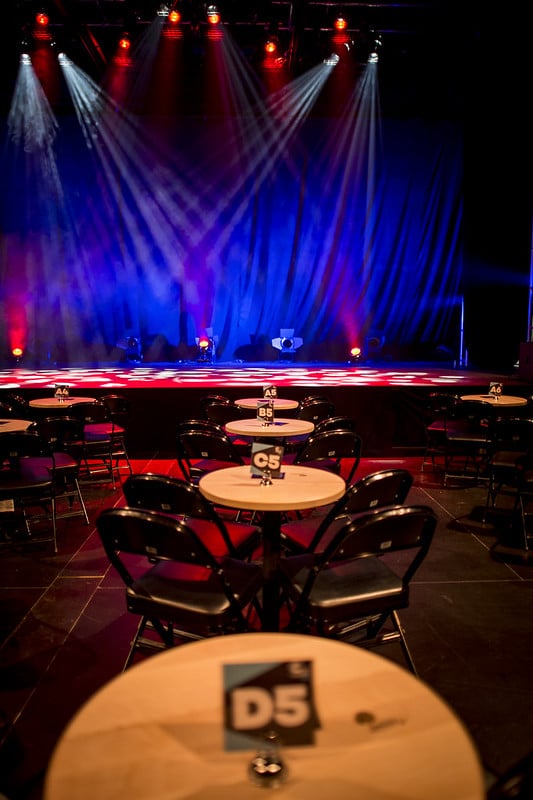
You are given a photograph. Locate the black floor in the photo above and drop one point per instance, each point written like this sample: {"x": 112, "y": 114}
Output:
{"x": 64, "y": 630}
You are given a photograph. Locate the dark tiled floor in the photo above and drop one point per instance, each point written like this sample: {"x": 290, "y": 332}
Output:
{"x": 64, "y": 630}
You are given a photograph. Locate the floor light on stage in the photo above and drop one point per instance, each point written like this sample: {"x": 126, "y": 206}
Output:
{"x": 213, "y": 15}
{"x": 355, "y": 354}
{"x": 207, "y": 345}
{"x": 287, "y": 343}
{"x": 17, "y": 353}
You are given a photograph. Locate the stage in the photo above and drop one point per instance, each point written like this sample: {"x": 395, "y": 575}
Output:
{"x": 173, "y": 375}
{"x": 388, "y": 400}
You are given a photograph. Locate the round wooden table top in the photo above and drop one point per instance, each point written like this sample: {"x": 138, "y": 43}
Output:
{"x": 496, "y": 399}
{"x": 280, "y": 403}
{"x": 302, "y": 487}
{"x": 9, "y": 425}
{"x": 157, "y": 730}
{"x": 279, "y": 428}
{"x": 56, "y": 402}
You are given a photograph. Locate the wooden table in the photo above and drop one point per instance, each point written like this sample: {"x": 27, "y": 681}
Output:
{"x": 156, "y": 732}
{"x": 280, "y": 428}
{"x": 496, "y": 400}
{"x": 301, "y": 488}
{"x": 280, "y": 403}
{"x": 56, "y": 402}
{"x": 8, "y": 425}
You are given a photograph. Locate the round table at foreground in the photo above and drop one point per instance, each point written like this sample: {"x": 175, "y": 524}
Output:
{"x": 156, "y": 732}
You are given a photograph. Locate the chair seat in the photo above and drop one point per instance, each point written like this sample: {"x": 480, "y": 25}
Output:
{"x": 190, "y": 594}
{"x": 100, "y": 431}
{"x": 347, "y": 589}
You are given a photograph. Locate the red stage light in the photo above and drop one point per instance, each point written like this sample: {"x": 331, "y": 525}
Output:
{"x": 174, "y": 17}
{"x": 17, "y": 352}
{"x": 42, "y": 19}
{"x": 340, "y": 23}
{"x": 271, "y": 46}
{"x": 213, "y": 15}
{"x": 124, "y": 43}
{"x": 355, "y": 352}
{"x": 203, "y": 342}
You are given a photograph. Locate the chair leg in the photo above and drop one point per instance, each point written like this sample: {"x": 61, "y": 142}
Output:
{"x": 403, "y": 643}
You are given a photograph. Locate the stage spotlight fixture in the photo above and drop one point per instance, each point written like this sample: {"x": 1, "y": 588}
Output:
{"x": 17, "y": 353}
{"x": 174, "y": 16}
{"x": 207, "y": 346}
{"x": 25, "y": 58}
{"x": 42, "y": 19}
{"x": 40, "y": 30}
{"x": 163, "y": 10}
{"x": 355, "y": 353}
{"x": 271, "y": 45}
{"x": 373, "y": 56}
{"x": 332, "y": 60}
{"x": 213, "y": 15}
{"x": 124, "y": 42}
{"x": 340, "y": 23}
{"x": 287, "y": 342}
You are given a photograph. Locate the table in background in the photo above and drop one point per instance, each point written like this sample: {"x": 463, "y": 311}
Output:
{"x": 301, "y": 488}
{"x": 279, "y": 429}
{"x": 8, "y": 425}
{"x": 156, "y": 731}
{"x": 495, "y": 401}
{"x": 55, "y": 403}
{"x": 280, "y": 403}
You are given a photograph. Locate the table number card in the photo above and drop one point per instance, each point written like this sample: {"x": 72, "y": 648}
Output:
{"x": 61, "y": 390}
{"x": 269, "y": 697}
{"x": 265, "y": 412}
{"x": 270, "y": 392}
{"x": 495, "y": 388}
{"x": 266, "y": 459}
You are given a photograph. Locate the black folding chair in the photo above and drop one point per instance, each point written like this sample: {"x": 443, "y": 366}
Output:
{"x": 353, "y": 588}
{"x": 177, "y": 588}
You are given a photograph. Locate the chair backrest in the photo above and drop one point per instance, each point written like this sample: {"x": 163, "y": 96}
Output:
{"x": 222, "y": 412}
{"x": 199, "y": 424}
{"x": 441, "y": 405}
{"x": 512, "y": 434}
{"x": 91, "y": 412}
{"x": 316, "y": 410}
{"x": 168, "y": 495}
{"x": 147, "y": 533}
{"x": 332, "y": 446}
{"x": 19, "y": 404}
{"x": 201, "y": 445}
{"x": 158, "y": 537}
{"x": 206, "y": 399}
{"x": 15, "y": 445}
{"x": 382, "y": 532}
{"x": 62, "y": 433}
{"x": 388, "y": 487}
{"x": 335, "y": 422}
{"x": 475, "y": 414}
{"x": 119, "y": 408}
{"x": 7, "y": 410}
